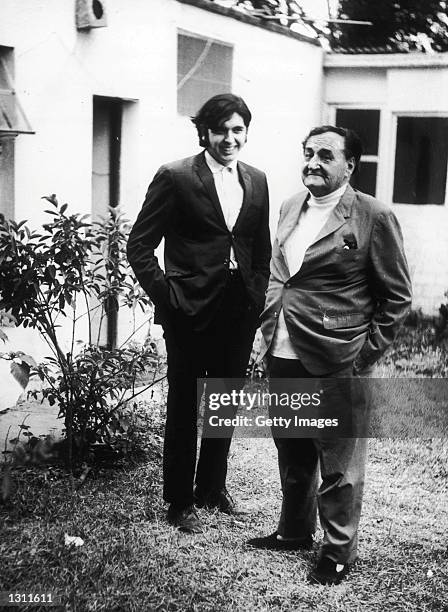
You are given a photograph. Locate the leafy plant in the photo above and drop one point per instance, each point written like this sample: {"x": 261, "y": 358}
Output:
{"x": 75, "y": 271}
{"x": 405, "y": 26}
{"x": 32, "y": 451}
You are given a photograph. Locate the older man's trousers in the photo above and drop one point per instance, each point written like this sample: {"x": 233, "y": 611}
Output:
{"x": 342, "y": 467}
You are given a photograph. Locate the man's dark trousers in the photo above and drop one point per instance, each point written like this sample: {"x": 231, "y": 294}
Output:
{"x": 342, "y": 468}
{"x": 221, "y": 350}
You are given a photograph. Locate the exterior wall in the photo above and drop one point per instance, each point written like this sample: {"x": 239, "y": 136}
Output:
{"x": 361, "y": 86}
{"x": 395, "y": 88}
{"x": 59, "y": 69}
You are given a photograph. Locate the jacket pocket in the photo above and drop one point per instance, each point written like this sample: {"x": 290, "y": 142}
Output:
{"x": 178, "y": 273}
{"x": 352, "y": 319}
{"x": 345, "y": 254}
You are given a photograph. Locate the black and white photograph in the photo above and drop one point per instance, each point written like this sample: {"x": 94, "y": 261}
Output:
{"x": 224, "y": 305}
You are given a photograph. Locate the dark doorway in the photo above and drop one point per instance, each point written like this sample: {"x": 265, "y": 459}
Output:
{"x": 106, "y": 151}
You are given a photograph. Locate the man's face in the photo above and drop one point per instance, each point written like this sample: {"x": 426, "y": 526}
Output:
{"x": 226, "y": 142}
{"x": 325, "y": 168}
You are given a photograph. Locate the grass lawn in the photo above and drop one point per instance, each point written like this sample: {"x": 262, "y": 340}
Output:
{"x": 132, "y": 560}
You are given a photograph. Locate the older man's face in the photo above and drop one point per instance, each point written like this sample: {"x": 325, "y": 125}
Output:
{"x": 325, "y": 167}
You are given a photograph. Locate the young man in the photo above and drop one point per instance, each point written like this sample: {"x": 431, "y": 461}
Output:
{"x": 338, "y": 291}
{"x": 213, "y": 213}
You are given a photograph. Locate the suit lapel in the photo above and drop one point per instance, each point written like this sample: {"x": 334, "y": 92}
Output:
{"x": 289, "y": 222}
{"x": 290, "y": 218}
{"x": 339, "y": 214}
{"x": 246, "y": 181}
{"x": 207, "y": 180}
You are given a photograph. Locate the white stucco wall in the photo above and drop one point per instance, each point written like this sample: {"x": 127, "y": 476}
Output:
{"x": 400, "y": 85}
{"x": 363, "y": 86}
{"x": 59, "y": 69}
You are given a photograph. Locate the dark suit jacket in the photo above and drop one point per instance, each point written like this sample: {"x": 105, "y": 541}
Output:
{"x": 344, "y": 304}
{"x": 182, "y": 206}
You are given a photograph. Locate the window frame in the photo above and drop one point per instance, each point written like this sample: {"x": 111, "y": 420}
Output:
{"x": 205, "y": 38}
{"x": 19, "y": 124}
{"x": 331, "y": 114}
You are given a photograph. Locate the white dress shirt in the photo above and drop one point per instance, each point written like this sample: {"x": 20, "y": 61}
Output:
{"x": 311, "y": 220}
{"x": 230, "y": 193}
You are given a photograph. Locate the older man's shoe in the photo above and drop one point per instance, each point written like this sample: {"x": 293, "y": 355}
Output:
{"x": 328, "y": 571}
{"x": 185, "y": 519}
{"x": 272, "y": 542}
{"x": 220, "y": 501}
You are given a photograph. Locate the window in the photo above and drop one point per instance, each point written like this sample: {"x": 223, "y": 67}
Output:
{"x": 366, "y": 124}
{"x": 6, "y": 136}
{"x": 12, "y": 118}
{"x": 204, "y": 69}
{"x": 12, "y": 122}
{"x": 421, "y": 160}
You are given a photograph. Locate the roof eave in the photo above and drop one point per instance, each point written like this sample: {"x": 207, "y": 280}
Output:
{"x": 258, "y": 22}
{"x": 386, "y": 60}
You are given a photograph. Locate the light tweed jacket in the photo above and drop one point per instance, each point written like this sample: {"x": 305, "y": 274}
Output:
{"x": 351, "y": 294}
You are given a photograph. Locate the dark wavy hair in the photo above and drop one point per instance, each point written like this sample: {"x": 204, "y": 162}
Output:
{"x": 352, "y": 142}
{"x": 217, "y": 111}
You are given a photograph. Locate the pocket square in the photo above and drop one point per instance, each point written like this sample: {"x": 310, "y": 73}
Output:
{"x": 350, "y": 241}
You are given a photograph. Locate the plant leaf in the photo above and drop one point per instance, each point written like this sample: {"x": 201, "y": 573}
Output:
{"x": 51, "y": 198}
{"x": 28, "y": 360}
{"x": 21, "y": 373}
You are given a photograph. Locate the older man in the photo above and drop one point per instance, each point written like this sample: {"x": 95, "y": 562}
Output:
{"x": 213, "y": 212}
{"x": 338, "y": 292}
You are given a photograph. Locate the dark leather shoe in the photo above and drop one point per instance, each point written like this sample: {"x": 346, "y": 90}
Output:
{"x": 185, "y": 519}
{"x": 221, "y": 501}
{"x": 271, "y": 542}
{"x": 328, "y": 572}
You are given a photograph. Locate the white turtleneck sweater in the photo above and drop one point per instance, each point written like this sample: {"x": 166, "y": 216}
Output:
{"x": 311, "y": 221}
